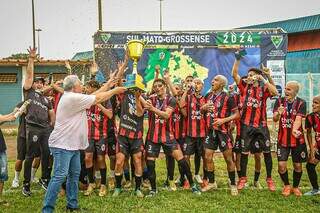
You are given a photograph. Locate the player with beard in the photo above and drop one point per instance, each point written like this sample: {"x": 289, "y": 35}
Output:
{"x": 220, "y": 110}
{"x": 40, "y": 119}
{"x": 289, "y": 112}
{"x": 255, "y": 136}
{"x": 191, "y": 102}
{"x": 161, "y": 134}
{"x": 313, "y": 123}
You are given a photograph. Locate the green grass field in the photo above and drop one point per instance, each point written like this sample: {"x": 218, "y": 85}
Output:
{"x": 249, "y": 200}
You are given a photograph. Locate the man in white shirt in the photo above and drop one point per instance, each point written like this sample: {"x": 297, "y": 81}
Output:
{"x": 69, "y": 136}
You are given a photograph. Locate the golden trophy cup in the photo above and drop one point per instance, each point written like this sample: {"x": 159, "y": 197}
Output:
{"x": 134, "y": 81}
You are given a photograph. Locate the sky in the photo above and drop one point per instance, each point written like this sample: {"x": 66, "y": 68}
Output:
{"x": 68, "y": 25}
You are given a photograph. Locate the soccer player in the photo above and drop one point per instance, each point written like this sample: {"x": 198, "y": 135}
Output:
{"x": 220, "y": 110}
{"x": 161, "y": 134}
{"x": 179, "y": 125}
{"x": 237, "y": 144}
{"x": 289, "y": 112}
{"x": 255, "y": 136}
{"x": 191, "y": 102}
{"x": 98, "y": 116}
{"x": 313, "y": 122}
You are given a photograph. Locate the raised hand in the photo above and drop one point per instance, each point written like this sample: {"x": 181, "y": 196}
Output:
{"x": 266, "y": 70}
{"x": 32, "y": 52}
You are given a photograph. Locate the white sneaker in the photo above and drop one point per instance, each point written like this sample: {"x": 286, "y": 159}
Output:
{"x": 15, "y": 183}
{"x": 198, "y": 179}
{"x": 210, "y": 186}
{"x": 234, "y": 190}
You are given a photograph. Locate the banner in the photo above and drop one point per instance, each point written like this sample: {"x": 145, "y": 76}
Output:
{"x": 200, "y": 54}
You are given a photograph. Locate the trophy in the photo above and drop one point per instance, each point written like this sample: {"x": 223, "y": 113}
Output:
{"x": 134, "y": 81}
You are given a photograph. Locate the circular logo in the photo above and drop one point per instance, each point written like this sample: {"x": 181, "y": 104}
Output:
{"x": 103, "y": 147}
{"x": 303, "y": 155}
{"x": 256, "y": 144}
{"x": 125, "y": 117}
{"x": 223, "y": 143}
{"x": 35, "y": 138}
{"x": 267, "y": 143}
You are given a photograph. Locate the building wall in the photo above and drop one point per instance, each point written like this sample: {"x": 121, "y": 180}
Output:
{"x": 10, "y": 93}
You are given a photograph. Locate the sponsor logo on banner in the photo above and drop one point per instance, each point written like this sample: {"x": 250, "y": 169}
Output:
{"x": 277, "y": 40}
{"x": 105, "y": 37}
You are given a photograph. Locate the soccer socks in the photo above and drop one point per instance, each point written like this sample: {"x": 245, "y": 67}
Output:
{"x": 118, "y": 180}
{"x": 211, "y": 177}
{"x": 239, "y": 173}
{"x": 126, "y": 174}
{"x": 152, "y": 174}
{"x": 268, "y": 163}
{"x": 33, "y": 173}
{"x": 103, "y": 173}
{"x": 197, "y": 162}
{"x": 243, "y": 164}
{"x": 256, "y": 176}
{"x": 16, "y": 175}
{"x": 138, "y": 180}
{"x": 285, "y": 178}
{"x": 90, "y": 174}
{"x": 170, "y": 167}
{"x": 186, "y": 170}
{"x": 312, "y": 174}
{"x": 296, "y": 178}
{"x": 232, "y": 177}
{"x": 145, "y": 174}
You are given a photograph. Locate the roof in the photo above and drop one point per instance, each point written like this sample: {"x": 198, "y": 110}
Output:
{"x": 17, "y": 62}
{"x": 304, "y": 54}
{"x": 88, "y": 55}
{"x": 302, "y": 24}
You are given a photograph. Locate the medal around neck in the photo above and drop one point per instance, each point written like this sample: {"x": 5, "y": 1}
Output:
{"x": 134, "y": 81}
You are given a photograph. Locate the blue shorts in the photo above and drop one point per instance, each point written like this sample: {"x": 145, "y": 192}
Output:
{"x": 3, "y": 167}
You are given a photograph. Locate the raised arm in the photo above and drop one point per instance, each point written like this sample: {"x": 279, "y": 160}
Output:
{"x": 103, "y": 96}
{"x": 166, "y": 77}
{"x": 235, "y": 71}
{"x": 30, "y": 68}
{"x": 106, "y": 112}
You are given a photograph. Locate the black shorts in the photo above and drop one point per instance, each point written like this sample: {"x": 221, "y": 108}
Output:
{"x": 129, "y": 146}
{"x": 217, "y": 139}
{"x": 237, "y": 145}
{"x": 181, "y": 142}
{"x": 97, "y": 147}
{"x": 111, "y": 142}
{"x": 21, "y": 148}
{"x": 193, "y": 145}
{"x": 299, "y": 153}
{"x": 153, "y": 149}
{"x": 254, "y": 144}
{"x": 35, "y": 138}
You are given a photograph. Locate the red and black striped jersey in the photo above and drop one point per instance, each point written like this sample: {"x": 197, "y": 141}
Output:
{"x": 253, "y": 104}
{"x": 195, "y": 121}
{"x": 236, "y": 98}
{"x": 287, "y": 118}
{"x": 98, "y": 121}
{"x": 130, "y": 125}
{"x": 223, "y": 106}
{"x": 179, "y": 123}
{"x": 160, "y": 129}
{"x": 313, "y": 122}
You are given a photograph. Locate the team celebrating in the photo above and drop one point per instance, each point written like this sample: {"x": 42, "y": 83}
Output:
{"x": 181, "y": 121}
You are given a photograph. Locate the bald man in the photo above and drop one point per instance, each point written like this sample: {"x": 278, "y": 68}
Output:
{"x": 220, "y": 110}
{"x": 289, "y": 112}
{"x": 313, "y": 123}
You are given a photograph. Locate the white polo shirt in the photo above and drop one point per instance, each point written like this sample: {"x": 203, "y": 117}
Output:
{"x": 71, "y": 128}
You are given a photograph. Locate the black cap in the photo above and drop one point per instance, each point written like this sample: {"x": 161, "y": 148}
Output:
{"x": 39, "y": 78}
